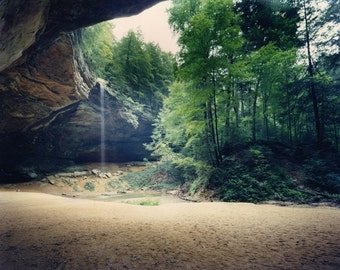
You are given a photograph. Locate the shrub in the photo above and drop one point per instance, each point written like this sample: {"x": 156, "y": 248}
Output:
{"x": 114, "y": 184}
{"x": 156, "y": 177}
{"x": 89, "y": 186}
{"x": 68, "y": 181}
{"x": 75, "y": 186}
{"x": 252, "y": 177}
{"x": 322, "y": 176}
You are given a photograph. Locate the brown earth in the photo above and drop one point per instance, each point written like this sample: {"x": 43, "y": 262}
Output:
{"x": 74, "y": 231}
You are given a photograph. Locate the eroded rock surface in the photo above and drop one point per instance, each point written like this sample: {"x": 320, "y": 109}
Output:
{"x": 52, "y": 79}
{"x": 47, "y": 115}
{"x": 24, "y": 23}
{"x": 73, "y": 135}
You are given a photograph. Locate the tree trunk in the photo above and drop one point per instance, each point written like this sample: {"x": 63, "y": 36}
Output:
{"x": 312, "y": 89}
{"x": 254, "y": 112}
{"x": 211, "y": 133}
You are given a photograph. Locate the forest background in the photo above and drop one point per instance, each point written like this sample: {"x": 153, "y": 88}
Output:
{"x": 248, "y": 110}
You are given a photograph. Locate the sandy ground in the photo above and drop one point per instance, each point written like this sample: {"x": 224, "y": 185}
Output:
{"x": 43, "y": 231}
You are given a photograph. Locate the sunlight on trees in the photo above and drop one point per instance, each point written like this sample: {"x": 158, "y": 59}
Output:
{"x": 240, "y": 80}
{"x": 246, "y": 73}
{"x": 139, "y": 70}
{"x": 246, "y": 84}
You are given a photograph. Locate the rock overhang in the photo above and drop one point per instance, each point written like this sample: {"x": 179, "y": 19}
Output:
{"x": 26, "y": 25}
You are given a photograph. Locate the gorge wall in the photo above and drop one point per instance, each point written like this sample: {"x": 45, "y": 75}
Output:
{"x": 48, "y": 110}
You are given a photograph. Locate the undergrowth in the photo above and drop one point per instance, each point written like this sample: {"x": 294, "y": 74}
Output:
{"x": 90, "y": 186}
{"x": 253, "y": 173}
{"x": 115, "y": 184}
{"x": 252, "y": 176}
{"x": 156, "y": 177}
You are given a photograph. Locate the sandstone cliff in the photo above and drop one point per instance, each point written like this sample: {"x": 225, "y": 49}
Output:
{"x": 47, "y": 115}
{"x": 28, "y": 25}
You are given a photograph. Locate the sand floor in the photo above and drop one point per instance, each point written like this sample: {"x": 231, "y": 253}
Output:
{"x": 42, "y": 231}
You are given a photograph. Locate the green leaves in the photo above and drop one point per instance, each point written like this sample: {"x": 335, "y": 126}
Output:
{"x": 143, "y": 68}
{"x": 97, "y": 46}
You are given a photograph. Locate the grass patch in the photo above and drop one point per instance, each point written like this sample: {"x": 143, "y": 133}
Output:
{"x": 147, "y": 201}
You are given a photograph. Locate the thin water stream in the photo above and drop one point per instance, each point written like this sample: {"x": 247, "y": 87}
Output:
{"x": 102, "y": 128}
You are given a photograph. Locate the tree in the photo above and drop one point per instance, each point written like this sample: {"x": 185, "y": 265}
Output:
{"x": 142, "y": 69}
{"x": 265, "y": 22}
{"x": 97, "y": 46}
{"x": 135, "y": 65}
{"x": 162, "y": 69}
{"x": 209, "y": 38}
{"x": 272, "y": 69}
{"x": 307, "y": 13}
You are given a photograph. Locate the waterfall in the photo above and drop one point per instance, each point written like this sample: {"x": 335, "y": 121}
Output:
{"x": 102, "y": 127}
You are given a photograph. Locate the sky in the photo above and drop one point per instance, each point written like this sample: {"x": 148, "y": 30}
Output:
{"x": 153, "y": 23}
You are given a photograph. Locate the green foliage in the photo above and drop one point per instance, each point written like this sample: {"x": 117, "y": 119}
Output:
{"x": 115, "y": 185}
{"x": 68, "y": 181}
{"x": 147, "y": 201}
{"x": 269, "y": 21}
{"x": 76, "y": 187}
{"x": 323, "y": 175}
{"x": 142, "y": 69}
{"x": 253, "y": 178}
{"x": 156, "y": 177}
{"x": 240, "y": 78}
{"x": 97, "y": 46}
{"x": 210, "y": 40}
{"x": 237, "y": 86}
{"x": 90, "y": 186}
{"x": 187, "y": 169}
{"x": 198, "y": 184}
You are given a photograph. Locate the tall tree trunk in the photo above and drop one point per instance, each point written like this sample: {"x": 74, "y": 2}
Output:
{"x": 265, "y": 115}
{"x": 289, "y": 117}
{"x": 336, "y": 136}
{"x": 236, "y": 111}
{"x": 217, "y": 137}
{"x": 211, "y": 133}
{"x": 227, "y": 115}
{"x": 312, "y": 89}
{"x": 254, "y": 111}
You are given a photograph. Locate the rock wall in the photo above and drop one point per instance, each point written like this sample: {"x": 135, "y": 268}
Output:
{"x": 54, "y": 78}
{"x": 72, "y": 135}
{"x": 44, "y": 79}
{"x": 27, "y": 25}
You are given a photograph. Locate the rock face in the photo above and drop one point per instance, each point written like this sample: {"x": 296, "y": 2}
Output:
{"x": 26, "y": 25}
{"x": 48, "y": 116}
{"x": 20, "y": 26}
{"x": 54, "y": 78}
{"x": 73, "y": 135}
{"x": 75, "y": 132}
